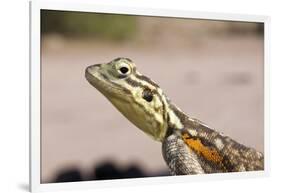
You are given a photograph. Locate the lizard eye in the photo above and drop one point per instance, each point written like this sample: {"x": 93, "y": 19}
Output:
{"x": 147, "y": 95}
{"x": 124, "y": 70}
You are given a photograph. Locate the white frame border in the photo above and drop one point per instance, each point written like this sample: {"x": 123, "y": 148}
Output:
{"x": 35, "y": 82}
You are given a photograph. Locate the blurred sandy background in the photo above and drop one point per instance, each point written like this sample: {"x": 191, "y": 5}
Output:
{"x": 213, "y": 70}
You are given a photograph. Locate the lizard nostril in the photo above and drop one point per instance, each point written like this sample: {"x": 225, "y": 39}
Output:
{"x": 92, "y": 68}
{"x": 96, "y": 65}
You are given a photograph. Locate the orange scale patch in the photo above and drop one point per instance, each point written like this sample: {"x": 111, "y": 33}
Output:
{"x": 199, "y": 148}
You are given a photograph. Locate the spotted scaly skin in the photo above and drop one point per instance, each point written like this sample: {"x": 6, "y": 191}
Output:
{"x": 188, "y": 145}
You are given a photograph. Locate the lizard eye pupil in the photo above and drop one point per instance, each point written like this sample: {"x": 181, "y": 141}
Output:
{"x": 124, "y": 70}
{"x": 147, "y": 95}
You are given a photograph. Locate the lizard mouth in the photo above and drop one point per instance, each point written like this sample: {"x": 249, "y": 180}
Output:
{"x": 98, "y": 80}
{"x": 89, "y": 74}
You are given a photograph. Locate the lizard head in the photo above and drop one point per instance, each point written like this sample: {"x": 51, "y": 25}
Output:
{"x": 137, "y": 97}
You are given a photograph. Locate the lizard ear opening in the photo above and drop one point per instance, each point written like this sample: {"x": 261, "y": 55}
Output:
{"x": 147, "y": 95}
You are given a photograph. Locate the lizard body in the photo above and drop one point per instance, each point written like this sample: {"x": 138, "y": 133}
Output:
{"x": 188, "y": 145}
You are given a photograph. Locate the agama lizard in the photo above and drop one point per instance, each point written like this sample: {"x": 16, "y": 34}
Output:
{"x": 188, "y": 145}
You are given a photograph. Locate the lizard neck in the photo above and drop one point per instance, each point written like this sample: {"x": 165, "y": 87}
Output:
{"x": 179, "y": 121}
{"x": 204, "y": 141}
{"x": 211, "y": 149}
{"x": 175, "y": 117}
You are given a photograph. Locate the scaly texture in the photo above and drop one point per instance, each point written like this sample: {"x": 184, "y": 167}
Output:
{"x": 188, "y": 145}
